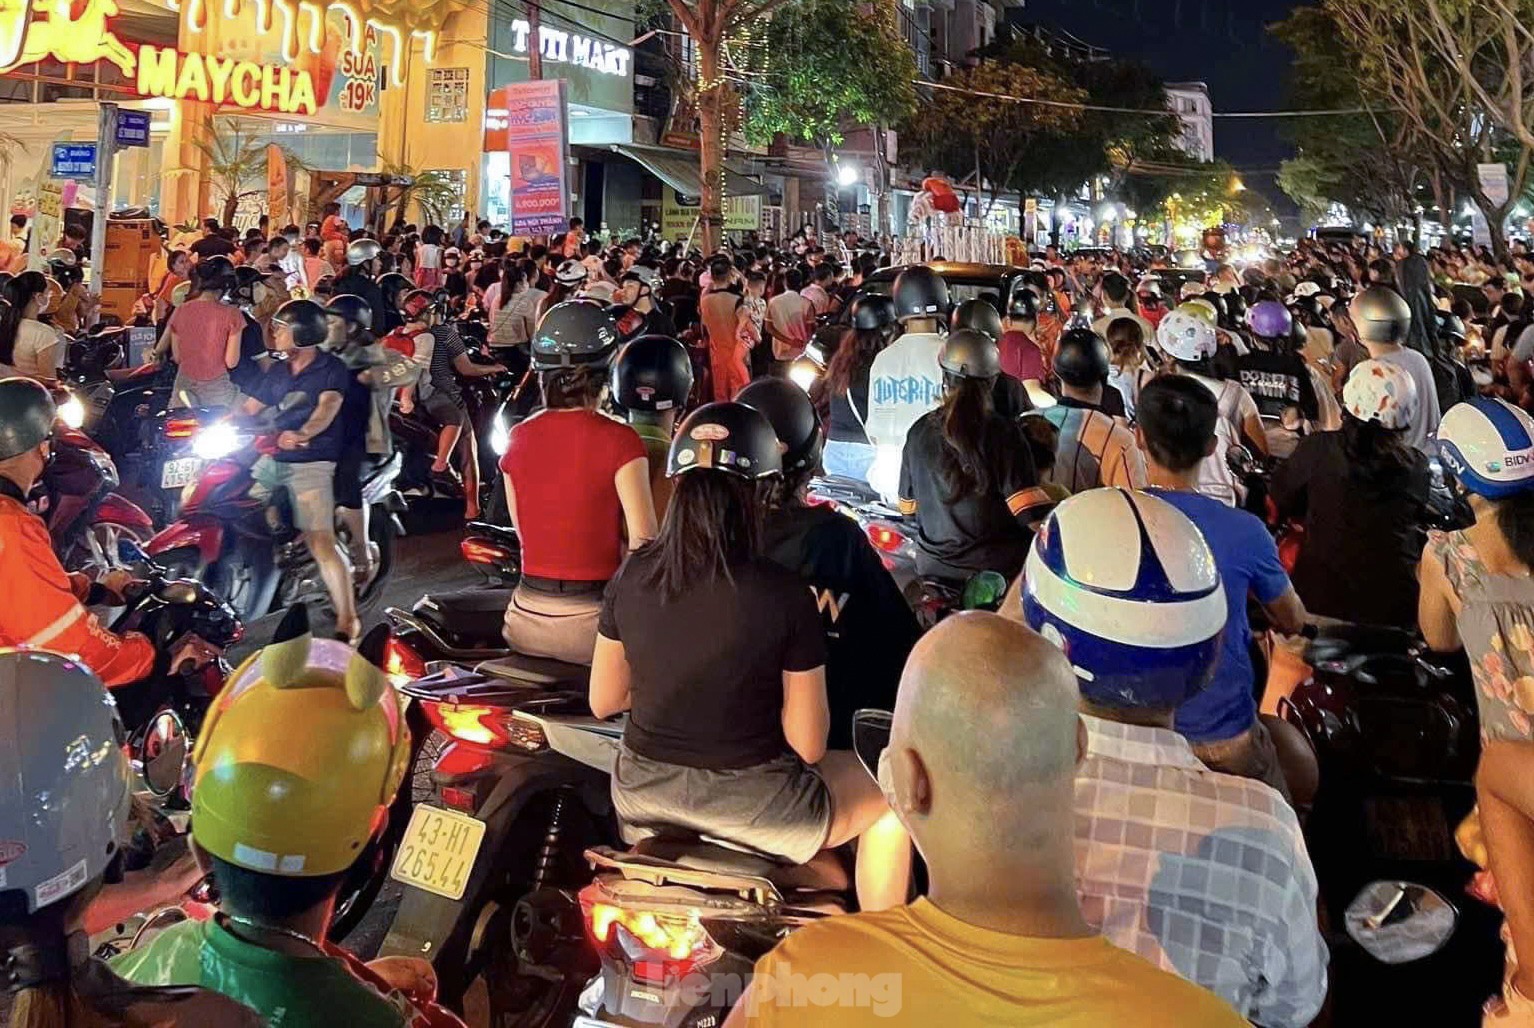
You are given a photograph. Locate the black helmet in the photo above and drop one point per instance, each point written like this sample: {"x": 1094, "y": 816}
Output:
{"x": 1235, "y": 307}
{"x": 64, "y": 268}
{"x": 970, "y": 354}
{"x": 305, "y": 319}
{"x": 574, "y": 332}
{"x": 1381, "y": 315}
{"x": 352, "y": 309}
{"x": 920, "y": 292}
{"x": 245, "y": 279}
{"x": 871, "y": 312}
{"x": 26, "y": 415}
{"x": 1024, "y": 303}
{"x": 978, "y": 315}
{"x": 1450, "y": 326}
{"x": 793, "y": 418}
{"x": 392, "y": 284}
{"x": 653, "y": 373}
{"x": 215, "y": 274}
{"x": 1217, "y": 300}
{"x": 1081, "y": 358}
{"x": 729, "y": 437}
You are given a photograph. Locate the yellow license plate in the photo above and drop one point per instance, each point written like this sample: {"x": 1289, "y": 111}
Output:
{"x": 438, "y": 850}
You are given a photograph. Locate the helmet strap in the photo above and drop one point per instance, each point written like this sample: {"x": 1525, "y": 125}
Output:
{"x": 31, "y": 964}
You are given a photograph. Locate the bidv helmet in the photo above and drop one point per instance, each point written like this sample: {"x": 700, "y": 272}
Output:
{"x": 969, "y": 354}
{"x": 792, "y": 415}
{"x": 1381, "y": 391}
{"x": 653, "y": 373}
{"x": 1270, "y": 320}
{"x": 1185, "y": 336}
{"x": 727, "y": 437}
{"x": 920, "y": 292}
{"x": 872, "y": 312}
{"x": 1489, "y": 446}
{"x": 575, "y": 332}
{"x": 1126, "y": 586}
{"x": 1081, "y": 358}
{"x": 978, "y": 315}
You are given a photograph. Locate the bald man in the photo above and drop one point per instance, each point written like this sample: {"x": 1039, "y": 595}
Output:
{"x": 980, "y": 766}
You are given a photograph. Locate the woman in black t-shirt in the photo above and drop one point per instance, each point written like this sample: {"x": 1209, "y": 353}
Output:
{"x": 719, "y": 657}
{"x": 1362, "y": 493}
{"x": 841, "y": 394}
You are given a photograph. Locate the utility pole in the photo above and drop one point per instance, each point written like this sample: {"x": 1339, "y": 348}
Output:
{"x": 534, "y": 41}
{"x": 106, "y": 148}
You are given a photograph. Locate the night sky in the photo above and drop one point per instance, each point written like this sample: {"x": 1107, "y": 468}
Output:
{"x": 1221, "y": 42}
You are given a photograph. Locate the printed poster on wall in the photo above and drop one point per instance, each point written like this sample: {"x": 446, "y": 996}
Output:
{"x": 678, "y": 213}
{"x": 276, "y": 186}
{"x": 527, "y": 120}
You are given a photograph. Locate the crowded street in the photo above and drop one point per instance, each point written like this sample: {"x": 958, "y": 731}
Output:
{"x": 734, "y": 513}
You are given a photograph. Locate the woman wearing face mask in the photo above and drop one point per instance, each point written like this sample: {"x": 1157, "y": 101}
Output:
{"x": 1478, "y": 592}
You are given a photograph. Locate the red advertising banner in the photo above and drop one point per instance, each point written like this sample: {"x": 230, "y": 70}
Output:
{"x": 527, "y": 120}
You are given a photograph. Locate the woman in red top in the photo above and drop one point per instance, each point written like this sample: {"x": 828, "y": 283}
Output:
{"x": 577, "y": 481}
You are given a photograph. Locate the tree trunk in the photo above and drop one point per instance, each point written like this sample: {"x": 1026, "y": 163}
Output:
{"x": 713, "y": 96}
{"x": 231, "y": 204}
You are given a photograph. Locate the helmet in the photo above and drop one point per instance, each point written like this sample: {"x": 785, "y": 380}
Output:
{"x": 1489, "y": 446}
{"x": 354, "y": 310}
{"x": 416, "y": 303}
{"x": 920, "y": 292}
{"x": 1307, "y": 288}
{"x": 67, "y": 784}
{"x": 64, "y": 266}
{"x": 1451, "y": 326}
{"x": 1024, "y": 303}
{"x": 180, "y": 293}
{"x": 1381, "y": 315}
{"x": 571, "y": 273}
{"x": 1217, "y": 301}
{"x": 26, "y": 415}
{"x": 299, "y": 757}
{"x": 1270, "y": 320}
{"x": 1202, "y": 308}
{"x": 362, "y": 251}
{"x": 1307, "y": 308}
{"x": 978, "y": 315}
{"x": 1381, "y": 391}
{"x": 793, "y": 418}
{"x": 1235, "y": 308}
{"x": 729, "y": 437}
{"x": 646, "y": 276}
{"x": 1191, "y": 290}
{"x": 305, "y": 319}
{"x": 1081, "y": 358}
{"x": 215, "y": 274}
{"x": 1124, "y": 583}
{"x": 871, "y": 312}
{"x": 653, "y": 373}
{"x": 574, "y": 332}
{"x": 246, "y": 278}
{"x": 969, "y": 354}
{"x": 392, "y": 284}
{"x": 1185, "y": 336}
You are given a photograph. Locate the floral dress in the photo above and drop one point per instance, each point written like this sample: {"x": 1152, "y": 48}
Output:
{"x": 1496, "y": 625}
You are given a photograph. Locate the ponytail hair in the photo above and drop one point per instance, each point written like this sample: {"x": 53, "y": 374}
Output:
{"x": 964, "y": 463}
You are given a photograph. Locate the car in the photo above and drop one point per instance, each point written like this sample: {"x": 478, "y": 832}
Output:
{"x": 993, "y": 282}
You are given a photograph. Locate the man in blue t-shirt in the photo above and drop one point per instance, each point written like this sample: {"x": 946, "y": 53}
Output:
{"x": 1177, "y": 431}
{"x": 303, "y": 395}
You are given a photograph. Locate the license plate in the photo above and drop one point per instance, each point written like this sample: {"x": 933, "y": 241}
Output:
{"x": 180, "y": 472}
{"x": 438, "y": 851}
{"x": 591, "y": 1022}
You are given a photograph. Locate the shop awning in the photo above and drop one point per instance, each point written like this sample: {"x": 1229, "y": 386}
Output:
{"x": 679, "y": 170}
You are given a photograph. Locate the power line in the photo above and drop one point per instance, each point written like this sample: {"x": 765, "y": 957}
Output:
{"x": 1133, "y": 110}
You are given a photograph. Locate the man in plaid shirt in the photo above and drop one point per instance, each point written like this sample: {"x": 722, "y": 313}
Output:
{"x": 1202, "y": 873}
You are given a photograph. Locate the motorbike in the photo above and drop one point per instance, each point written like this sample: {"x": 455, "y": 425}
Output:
{"x": 518, "y": 791}
{"x": 494, "y": 551}
{"x": 87, "y": 519}
{"x": 415, "y": 433}
{"x": 890, "y": 532}
{"x": 226, "y": 538}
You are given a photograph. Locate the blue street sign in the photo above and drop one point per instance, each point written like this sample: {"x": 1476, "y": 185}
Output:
{"x": 73, "y": 160}
{"x": 132, "y": 128}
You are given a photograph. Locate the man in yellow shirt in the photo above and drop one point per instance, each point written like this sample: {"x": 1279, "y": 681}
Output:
{"x": 980, "y": 768}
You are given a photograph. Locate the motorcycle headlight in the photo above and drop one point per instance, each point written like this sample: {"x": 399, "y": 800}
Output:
{"x": 500, "y": 435}
{"x": 803, "y": 374}
{"x": 72, "y": 412}
{"x": 216, "y": 442}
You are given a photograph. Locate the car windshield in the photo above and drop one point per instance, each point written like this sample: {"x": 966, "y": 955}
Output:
{"x": 959, "y": 290}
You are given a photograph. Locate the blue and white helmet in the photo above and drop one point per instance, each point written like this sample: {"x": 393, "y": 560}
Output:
{"x": 1489, "y": 446}
{"x": 1126, "y": 585}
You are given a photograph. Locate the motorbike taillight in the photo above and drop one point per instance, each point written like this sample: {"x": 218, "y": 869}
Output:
{"x": 493, "y": 728}
{"x": 660, "y": 946}
{"x": 402, "y": 663}
{"x": 180, "y": 428}
{"x": 480, "y": 551}
{"x": 884, "y": 538}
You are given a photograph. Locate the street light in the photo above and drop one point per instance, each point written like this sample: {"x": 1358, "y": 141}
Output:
{"x": 846, "y": 175}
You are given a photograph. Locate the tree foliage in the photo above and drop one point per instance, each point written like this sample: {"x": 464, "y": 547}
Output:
{"x": 237, "y": 163}
{"x": 827, "y": 63}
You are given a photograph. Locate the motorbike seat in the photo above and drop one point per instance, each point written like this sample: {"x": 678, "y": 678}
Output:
{"x": 824, "y": 873}
{"x": 497, "y": 533}
{"x": 467, "y": 620}
{"x": 541, "y": 671}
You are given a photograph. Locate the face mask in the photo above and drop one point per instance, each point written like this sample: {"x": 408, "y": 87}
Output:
{"x": 886, "y": 778}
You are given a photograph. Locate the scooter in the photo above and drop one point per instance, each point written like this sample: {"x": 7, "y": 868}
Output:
{"x": 88, "y": 520}
{"x": 890, "y": 532}
{"x": 226, "y": 538}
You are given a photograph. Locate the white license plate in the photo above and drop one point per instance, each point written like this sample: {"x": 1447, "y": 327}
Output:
{"x": 180, "y": 472}
{"x": 438, "y": 850}
{"x": 590, "y": 1022}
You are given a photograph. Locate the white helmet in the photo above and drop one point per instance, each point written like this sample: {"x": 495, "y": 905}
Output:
{"x": 1185, "y": 336}
{"x": 1381, "y": 391}
{"x": 1191, "y": 289}
{"x": 571, "y": 273}
{"x": 1489, "y": 446}
{"x": 67, "y": 784}
{"x": 362, "y": 251}
{"x": 1306, "y": 288}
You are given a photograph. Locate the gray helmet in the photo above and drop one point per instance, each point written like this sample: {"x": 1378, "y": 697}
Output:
{"x": 575, "y": 332}
{"x": 26, "y": 415}
{"x": 969, "y": 353}
{"x": 920, "y": 292}
{"x": 1381, "y": 315}
{"x": 978, "y": 315}
{"x": 362, "y": 251}
{"x": 65, "y": 804}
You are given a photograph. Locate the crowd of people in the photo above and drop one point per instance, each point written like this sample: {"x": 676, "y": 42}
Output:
{"x": 1079, "y": 428}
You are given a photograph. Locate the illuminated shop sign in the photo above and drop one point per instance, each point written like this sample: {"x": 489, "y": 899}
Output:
{"x": 223, "y": 80}
{"x": 572, "y": 48}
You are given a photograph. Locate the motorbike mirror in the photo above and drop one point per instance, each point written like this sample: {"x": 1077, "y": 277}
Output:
{"x": 870, "y": 735}
{"x": 1240, "y": 461}
{"x": 983, "y": 591}
{"x": 1399, "y": 922}
{"x": 162, "y": 754}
